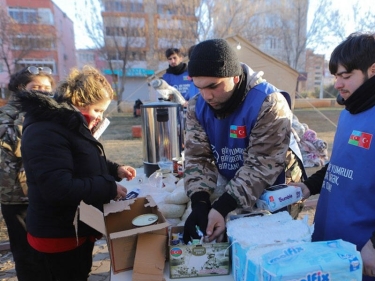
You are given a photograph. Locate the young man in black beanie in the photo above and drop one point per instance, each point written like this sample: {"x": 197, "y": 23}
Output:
{"x": 177, "y": 75}
{"x": 238, "y": 132}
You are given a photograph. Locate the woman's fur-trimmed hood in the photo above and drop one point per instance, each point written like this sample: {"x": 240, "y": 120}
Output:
{"x": 40, "y": 107}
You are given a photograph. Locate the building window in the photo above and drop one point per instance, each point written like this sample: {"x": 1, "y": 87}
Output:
{"x": 45, "y": 16}
{"x": 31, "y": 16}
{"x": 272, "y": 42}
{"x": 33, "y": 42}
{"x": 86, "y": 57}
{"x": 136, "y": 8}
{"x": 167, "y": 9}
{"x": 120, "y": 6}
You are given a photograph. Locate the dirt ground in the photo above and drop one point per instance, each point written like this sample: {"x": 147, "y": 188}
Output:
{"x": 121, "y": 147}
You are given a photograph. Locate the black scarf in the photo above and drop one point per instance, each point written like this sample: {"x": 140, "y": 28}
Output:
{"x": 234, "y": 101}
{"x": 178, "y": 69}
{"x": 363, "y": 98}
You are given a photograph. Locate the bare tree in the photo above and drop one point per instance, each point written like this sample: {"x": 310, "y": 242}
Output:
{"x": 292, "y": 34}
{"x": 129, "y": 33}
{"x": 363, "y": 18}
{"x": 20, "y": 40}
{"x": 177, "y": 25}
{"x": 111, "y": 37}
{"x": 326, "y": 27}
{"x": 227, "y": 18}
{"x": 278, "y": 27}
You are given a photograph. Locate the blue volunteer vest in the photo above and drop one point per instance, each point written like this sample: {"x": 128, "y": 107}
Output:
{"x": 229, "y": 137}
{"x": 181, "y": 82}
{"x": 346, "y": 206}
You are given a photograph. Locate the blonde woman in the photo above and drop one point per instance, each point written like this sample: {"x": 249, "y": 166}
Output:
{"x": 65, "y": 165}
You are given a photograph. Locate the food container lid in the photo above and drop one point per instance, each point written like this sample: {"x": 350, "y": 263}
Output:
{"x": 144, "y": 220}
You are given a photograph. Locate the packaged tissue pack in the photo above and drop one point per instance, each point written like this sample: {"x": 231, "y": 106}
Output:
{"x": 279, "y": 196}
{"x": 325, "y": 260}
{"x": 277, "y": 248}
{"x": 258, "y": 234}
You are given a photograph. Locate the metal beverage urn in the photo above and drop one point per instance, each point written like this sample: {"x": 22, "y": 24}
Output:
{"x": 162, "y": 133}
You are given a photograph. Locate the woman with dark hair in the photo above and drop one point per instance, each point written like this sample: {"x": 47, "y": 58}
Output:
{"x": 65, "y": 164}
{"x": 13, "y": 188}
{"x": 32, "y": 78}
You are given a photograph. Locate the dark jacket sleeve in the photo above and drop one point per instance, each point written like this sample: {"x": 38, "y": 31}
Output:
{"x": 315, "y": 181}
{"x": 112, "y": 168}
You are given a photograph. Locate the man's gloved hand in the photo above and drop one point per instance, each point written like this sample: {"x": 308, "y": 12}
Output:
{"x": 225, "y": 204}
{"x": 200, "y": 207}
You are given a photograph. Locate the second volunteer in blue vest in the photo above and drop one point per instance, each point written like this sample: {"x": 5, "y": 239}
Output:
{"x": 346, "y": 208}
{"x": 238, "y": 132}
{"x": 177, "y": 75}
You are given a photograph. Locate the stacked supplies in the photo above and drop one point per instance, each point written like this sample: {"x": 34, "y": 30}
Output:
{"x": 276, "y": 247}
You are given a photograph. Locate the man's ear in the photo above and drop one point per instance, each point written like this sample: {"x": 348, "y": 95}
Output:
{"x": 371, "y": 71}
{"x": 236, "y": 79}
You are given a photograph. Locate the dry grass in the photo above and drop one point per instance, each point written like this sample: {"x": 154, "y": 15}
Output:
{"x": 119, "y": 144}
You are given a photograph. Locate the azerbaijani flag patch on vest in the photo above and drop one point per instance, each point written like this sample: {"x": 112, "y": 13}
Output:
{"x": 360, "y": 139}
{"x": 237, "y": 132}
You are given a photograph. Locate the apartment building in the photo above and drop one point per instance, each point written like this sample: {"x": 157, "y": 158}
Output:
{"x": 147, "y": 28}
{"x": 40, "y": 35}
{"x": 315, "y": 69}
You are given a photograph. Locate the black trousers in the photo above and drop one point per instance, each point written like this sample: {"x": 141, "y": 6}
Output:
{"x": 74, "y": 265}
{"x": 27, "y": 264}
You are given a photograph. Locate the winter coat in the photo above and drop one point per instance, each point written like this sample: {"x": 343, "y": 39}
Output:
{"x": 64, "y": 165}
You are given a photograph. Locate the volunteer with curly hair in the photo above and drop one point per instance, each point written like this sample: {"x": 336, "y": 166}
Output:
{"x": 65, "y": 165}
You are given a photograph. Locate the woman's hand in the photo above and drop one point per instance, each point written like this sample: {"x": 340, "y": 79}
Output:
{"x": 121, "y": 192}
{"x": 126, "y": 172}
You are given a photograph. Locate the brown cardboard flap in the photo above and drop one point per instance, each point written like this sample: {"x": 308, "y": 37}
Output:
{"x": 134, "y": 231}
{"x": 151, "y": 202}
{"x": 122, "y": 205}
{"x": 117, "y": 206}
{"x": 150, "y": 256}
{"x": 92, "y": 217}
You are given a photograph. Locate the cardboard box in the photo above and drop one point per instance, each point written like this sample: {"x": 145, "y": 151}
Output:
{"x": 150, "y": 257}
{"x": 116, "y": 224}
{"x": 210, "y": 259}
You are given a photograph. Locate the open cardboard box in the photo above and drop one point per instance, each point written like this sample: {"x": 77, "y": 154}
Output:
{"x": 116, "y": 224}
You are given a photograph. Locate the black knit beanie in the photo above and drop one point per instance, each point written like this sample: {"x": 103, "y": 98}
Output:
{"x": 214, "y": 58}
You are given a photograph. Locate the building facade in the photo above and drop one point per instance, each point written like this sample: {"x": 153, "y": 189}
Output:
{"x": 39, "y": 34}
{"x": 144, "y": 29}
{"x": 315, "y": 69}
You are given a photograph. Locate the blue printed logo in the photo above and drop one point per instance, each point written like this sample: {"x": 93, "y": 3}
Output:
{"x": 316, "y": 276}
{"x": 288, "y": 253}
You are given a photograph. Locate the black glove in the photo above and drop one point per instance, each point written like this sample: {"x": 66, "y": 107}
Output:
{"x": 200, "y": 207}
{"x": 225, "y": 204}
